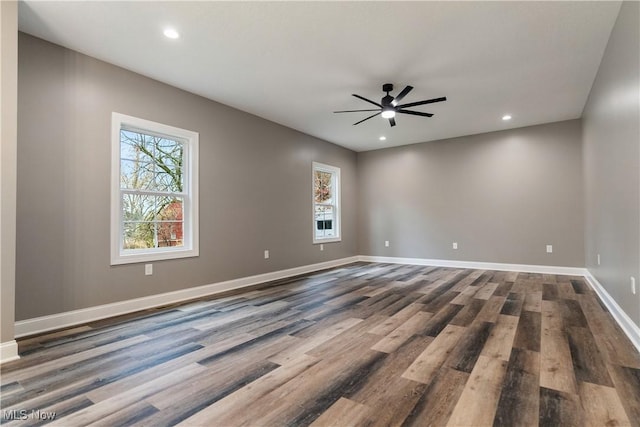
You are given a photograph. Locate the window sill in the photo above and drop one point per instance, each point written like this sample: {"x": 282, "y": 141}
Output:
{"x": 329, "y": 240}
{"x": 150, "y": 257}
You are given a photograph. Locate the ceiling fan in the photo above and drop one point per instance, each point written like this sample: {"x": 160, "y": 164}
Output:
{"x": 388, "y": 106}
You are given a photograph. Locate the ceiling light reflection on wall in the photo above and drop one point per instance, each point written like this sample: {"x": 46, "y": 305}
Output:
{"x": 506, "y": 117}
{"x": 383, "y": 138}
{"x": 171, "y": 33}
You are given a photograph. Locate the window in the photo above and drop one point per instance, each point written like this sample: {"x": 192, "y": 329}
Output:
{"x": 326, "y": 203}
{"x": 154, "y": 191}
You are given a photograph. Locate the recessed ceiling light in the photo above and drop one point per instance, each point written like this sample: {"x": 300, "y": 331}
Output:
{"x": 383, "y": 138}
{"x": 171, "y": 33}
{"x": 506, "y": 117}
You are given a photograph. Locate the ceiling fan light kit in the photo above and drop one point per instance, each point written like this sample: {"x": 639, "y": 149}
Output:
{"x": 388, "y": 106}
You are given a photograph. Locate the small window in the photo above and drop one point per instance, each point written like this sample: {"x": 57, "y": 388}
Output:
{"x": 154, "y": 191}
{"x": 326, "y": 203}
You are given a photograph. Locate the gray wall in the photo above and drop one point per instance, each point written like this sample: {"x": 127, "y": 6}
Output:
{"x": 8, "y": 147}
{"x": 611, "y": 128}
{"x": 502, "y": 196}
{"x": 255, "y": 185}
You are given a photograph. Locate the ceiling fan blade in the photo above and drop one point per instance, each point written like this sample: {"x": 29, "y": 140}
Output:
{"x": 356, "y": 111}
{"x": 428, "y": 101}
{"x": 357, "y": 123}
{"x": 401, "y": 95}
{"x": 415, "y": 113}
{"x": 392, "y": 121}
{"x": 368, "y": 100}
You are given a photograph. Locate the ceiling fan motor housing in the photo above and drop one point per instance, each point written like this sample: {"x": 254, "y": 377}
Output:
{"x": 387, "y": 100}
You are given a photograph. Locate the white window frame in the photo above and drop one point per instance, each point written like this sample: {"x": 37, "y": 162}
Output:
{"x": 336, "y": 185}
{"x": 190, "y": 218}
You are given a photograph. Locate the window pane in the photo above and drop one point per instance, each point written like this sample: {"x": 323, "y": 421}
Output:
{"x": 170, "y": 182}
{"x": 170, "y": 209}
{"x": 170, "y": 234}
{"x": 150, "y": 162}
{"x": 137, "y": 207}
{"x": 139, "y": 235}
{"x": 134, "y": 146}
{"x": 137, "y": 175}
{"x": 324, "y": 222}
{"x": 166, "y": 145}
{"x": 169, "y": 157}
{"x": 323, "y": 193}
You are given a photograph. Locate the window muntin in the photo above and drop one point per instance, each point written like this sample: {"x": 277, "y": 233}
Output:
{"x": 154, "y": 191}
{"x": 326, "y": 203}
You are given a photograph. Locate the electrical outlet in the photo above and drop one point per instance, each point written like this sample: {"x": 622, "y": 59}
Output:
{"x": 455, "y": 245}
{"x": 386, "y": 243}
{"x": 633, "y": 285}
{"x": 266, "y": 254}
{"x": 549, "y": 249}
{"x": 148, "y": 269}
{"x": 321, "y": 247}
{"x": 598, "y": 259}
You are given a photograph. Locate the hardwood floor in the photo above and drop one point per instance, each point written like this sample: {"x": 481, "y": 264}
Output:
{"x": 363, "y": 345}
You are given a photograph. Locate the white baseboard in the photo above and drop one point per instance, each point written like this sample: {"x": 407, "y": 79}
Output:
{"x": 628, "y": 326}
{"x": 70, "y": 318}
{"x": 525, "y": 268}
{"x": 8, "y": 351}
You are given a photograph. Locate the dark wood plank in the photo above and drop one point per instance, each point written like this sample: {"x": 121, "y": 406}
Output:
{"x": 513, "y": 304}
{"x": 465, "y": 316}
{"x": 613, "y": 344}
{"x": 580, "y": 287}
{"x": 627, "y": 384}
{"x": 503, "y": 288}
{"x": 440, "y": 320}
{"x": 528, "y": 334}
{"x": 436, "y": 404}
{"x": 549, "y": 291}
{"x": 572, "y": 314}
{"x": 519, "y": 403}
{"x": 465, "y": 354}
{"x": 560, "y": 409}
{"x": 386, "y": 389}
{"x": 588, "y": 364}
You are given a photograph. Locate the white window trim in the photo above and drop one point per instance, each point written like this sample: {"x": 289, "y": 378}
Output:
{"x": 191, "y": 210}
{"x": 336, "y": 171}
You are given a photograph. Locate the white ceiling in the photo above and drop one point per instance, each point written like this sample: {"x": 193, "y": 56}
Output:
{"x": 295, "y": 62}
